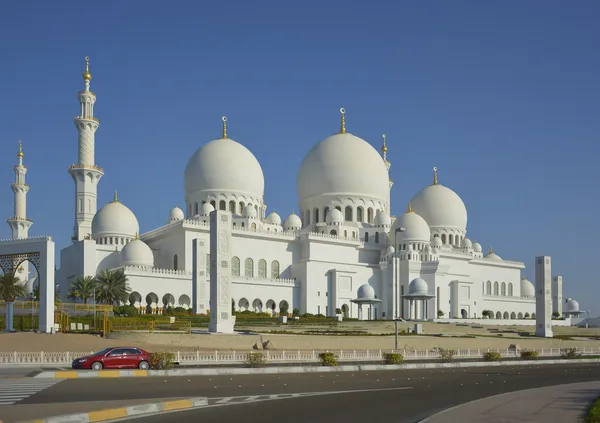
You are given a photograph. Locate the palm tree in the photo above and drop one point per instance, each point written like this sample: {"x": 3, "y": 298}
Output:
{"x": 112, "y": 287}
{"x": 10, "y": 288}
{"x": 83, "y": 288}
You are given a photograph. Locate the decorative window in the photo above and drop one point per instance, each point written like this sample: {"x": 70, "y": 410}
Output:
{"x": 333, "y": 232}
{"x": 175, "y": 264}
{"x": 214, "y": 204}
{"x": 325, "y": 213}
{"x": 359, "y": 214}
{"x": 235, "y": 266}
{"x": 316, "y": 215}
{"x": 222, "y": 205}
{"x": 274, "y": 269}
{"x": 345, "y": 234}
{"x": 510, "y": 290}
{"x": 488, "y": 288}
{"x": 376, "y": 237}
{"x": 262, "y": 268}
{"x": 249, "y": 268}
{"x": 254, "y": 226}
{"x": 366, "y": 237}
{"x": 496, "y": 288}
{"x": 503, "y": 289}
{"x": 348, "y": 213}
{"x": 207, "y": 264}
{"x": 241, "y": 207}
{"x": 232, "y": 206}
{"x": 370, "y": 215}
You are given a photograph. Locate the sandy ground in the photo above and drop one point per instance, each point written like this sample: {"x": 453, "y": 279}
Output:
{"x": 173, "y": 342}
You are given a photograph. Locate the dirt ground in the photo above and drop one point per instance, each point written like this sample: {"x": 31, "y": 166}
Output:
{"x": 448, "y": 336}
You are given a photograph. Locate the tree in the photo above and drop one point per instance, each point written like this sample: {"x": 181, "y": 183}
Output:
{"x": 112, "y": 287}
{"x": 10, "y": 288}
{"x": 83, "y": 288}
{"x": 556, "y": 314}
{"x": 441, "y": 313}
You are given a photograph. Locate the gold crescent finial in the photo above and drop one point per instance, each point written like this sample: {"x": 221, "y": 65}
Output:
{"x": 435, "y": 176}
{"x": 343, "y": 128}
{"x": 224, "y": 119}
{"x": 87, "y": 76}
{"x": 384, "y": 146}
{"x": 137, "y": 235}
{"x": 409, "y": 208}
{"x": 20, "y": 153}
{"x": 116, "y": 197}
{"x": 491, "y": 250}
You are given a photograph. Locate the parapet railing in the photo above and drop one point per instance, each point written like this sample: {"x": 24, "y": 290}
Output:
{"x": 284, "y": 356}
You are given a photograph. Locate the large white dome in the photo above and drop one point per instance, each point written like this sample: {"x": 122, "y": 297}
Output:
{"x": 415, "y": 228}
{"x": 441, "y": 207}
{"x": 224, "y": 166}
{"x": 343, "y": 165}
{"x": 115, "y": 220}
{"x": 137, "y": 253}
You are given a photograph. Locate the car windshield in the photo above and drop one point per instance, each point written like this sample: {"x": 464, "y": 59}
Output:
{"x": 104, "y": 351}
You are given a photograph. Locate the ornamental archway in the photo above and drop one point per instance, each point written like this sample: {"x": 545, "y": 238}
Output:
{"x": 38, "y": 251}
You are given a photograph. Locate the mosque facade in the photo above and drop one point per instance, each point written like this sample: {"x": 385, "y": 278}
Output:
{"x": 342, "y": 250}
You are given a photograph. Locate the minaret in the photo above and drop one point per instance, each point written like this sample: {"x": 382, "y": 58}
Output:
{"x": 388, "y": 164}
{"x": 19, "y": 223}
{"x": 85, "y": 173}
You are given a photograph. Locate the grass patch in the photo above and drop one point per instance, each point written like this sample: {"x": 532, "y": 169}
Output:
{"x": 594, "y": 412}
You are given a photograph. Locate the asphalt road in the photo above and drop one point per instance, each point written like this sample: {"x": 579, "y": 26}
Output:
{"x": 391, "y": 396}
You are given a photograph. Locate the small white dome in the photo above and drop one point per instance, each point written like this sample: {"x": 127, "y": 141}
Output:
{"x": 207, "y": 209}
{"x": 428, "y": 248}
{"x": 418, "y": 287}
{"x": 466, "y": 243}
{"x": 335, "y": 216}
{"x": 115, "y": 220}
{"x": 493, "y": 256}
{"x": 436, "y": 242}
{"x": 137, "y": 253}
{"x": 415, "y": 228}
{"x": 572, "y": 306}
{"x": 382, "y": 218}
{"x": 223, "y": 165}
{"x": 440, "y": 207}
{"x": 477, "y": 247}
{"x": 292, "y": 222}
{"x": 176, "y": 214}
{"x": 527, "y": 288}
{"x": 249, "y": 211}
{"x": 274, "y": 219}
{"x": 366, "y": 291}
{"x": 390, "y": 250}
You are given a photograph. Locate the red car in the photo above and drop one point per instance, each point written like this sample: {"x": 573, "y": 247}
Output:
{"x": 115, "y": 358}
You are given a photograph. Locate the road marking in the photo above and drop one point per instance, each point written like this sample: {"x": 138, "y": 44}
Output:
{"x": 13, "y": 391}
{"x": 246, "y": 399}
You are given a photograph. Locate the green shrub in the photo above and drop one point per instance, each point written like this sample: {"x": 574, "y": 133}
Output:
{"x": 162, "y": 360}
{"x": 393, "y": 358}
{"x": 296, "y": 312}
{"x": 440, "y": 313}
{"x": 446, "y": 355}
{"x": 492, "y": 356}
{"x": 255, "y": 359}
{"x": 328, "y": 359}
{"x": 570, "y": 353}
{"x": 126, "y": 310}
{"x": 529, "y": 355}
{"x": 593, "y": 414}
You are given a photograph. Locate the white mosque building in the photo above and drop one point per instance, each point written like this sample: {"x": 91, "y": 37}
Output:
{"x": 341, "y": 251}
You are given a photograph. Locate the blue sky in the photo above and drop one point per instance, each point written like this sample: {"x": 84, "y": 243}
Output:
{"x": 503, "y": 97}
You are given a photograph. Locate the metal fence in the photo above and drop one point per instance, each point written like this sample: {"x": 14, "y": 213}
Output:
{"x": 283, "y": 356}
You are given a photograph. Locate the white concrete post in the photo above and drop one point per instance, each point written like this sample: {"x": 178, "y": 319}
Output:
{"x": 46, "y": 270}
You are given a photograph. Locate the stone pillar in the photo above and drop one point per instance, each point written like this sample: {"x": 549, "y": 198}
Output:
{"x": 46, "y": 274}
{"x": 557, "y": 298}
{"x": 543, "y": 297}
{"x": 199, "y": 298}
{"x": 221, "y": 319}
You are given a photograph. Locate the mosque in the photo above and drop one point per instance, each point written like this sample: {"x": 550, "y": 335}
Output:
{"x": 343, "y": 251}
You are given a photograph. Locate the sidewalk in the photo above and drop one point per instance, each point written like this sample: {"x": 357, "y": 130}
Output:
{"x": 552, "y": 404}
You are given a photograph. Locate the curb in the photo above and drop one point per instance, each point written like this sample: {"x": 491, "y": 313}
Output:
{"x": 296, "y": 369}
{"x": 131, "y": 411}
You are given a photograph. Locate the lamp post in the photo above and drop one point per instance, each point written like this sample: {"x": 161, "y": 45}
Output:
{"x": 32, "y": 295}
{"x": 94, "y": 299}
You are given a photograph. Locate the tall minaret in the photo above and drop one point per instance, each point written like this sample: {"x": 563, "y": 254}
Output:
{"x": 19, "y": 223}
{"x": 85, "y": 173}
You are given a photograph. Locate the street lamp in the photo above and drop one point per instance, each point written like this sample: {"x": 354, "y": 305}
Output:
{"x": 94, "y": 299}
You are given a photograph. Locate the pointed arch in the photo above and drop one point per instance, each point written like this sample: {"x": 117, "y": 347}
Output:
{"x": 262, "y": 268}
{"x": 249, "y": 268}
{"x": 275, "y": 269}
{"x": 235, "y": 266}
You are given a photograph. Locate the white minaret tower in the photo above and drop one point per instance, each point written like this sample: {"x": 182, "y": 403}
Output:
{"x": 19, "y": 223}
{"x": 85, "y": 173}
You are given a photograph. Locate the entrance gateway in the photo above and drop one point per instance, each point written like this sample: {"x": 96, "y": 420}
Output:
{"x": 39, "y": 251}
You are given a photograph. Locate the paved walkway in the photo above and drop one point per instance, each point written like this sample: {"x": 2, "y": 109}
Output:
{"x": 552, "y": 404}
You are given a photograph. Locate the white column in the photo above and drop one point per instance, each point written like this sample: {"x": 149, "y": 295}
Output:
{"x": 221, "y": 318}
{"x": 46, "y": 274}
{"x": 199, "y": 299}
{"x": 9, "y": 312}
{"x": 543, "y": 297}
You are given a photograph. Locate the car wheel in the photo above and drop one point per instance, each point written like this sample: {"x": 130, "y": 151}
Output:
{"x": 144, "y": 365}
{"x": 96, "y": 365}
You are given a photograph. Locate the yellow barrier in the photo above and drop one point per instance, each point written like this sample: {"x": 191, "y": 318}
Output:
{"x": 143, "y": 325}
{"x": 64, "y": 307}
